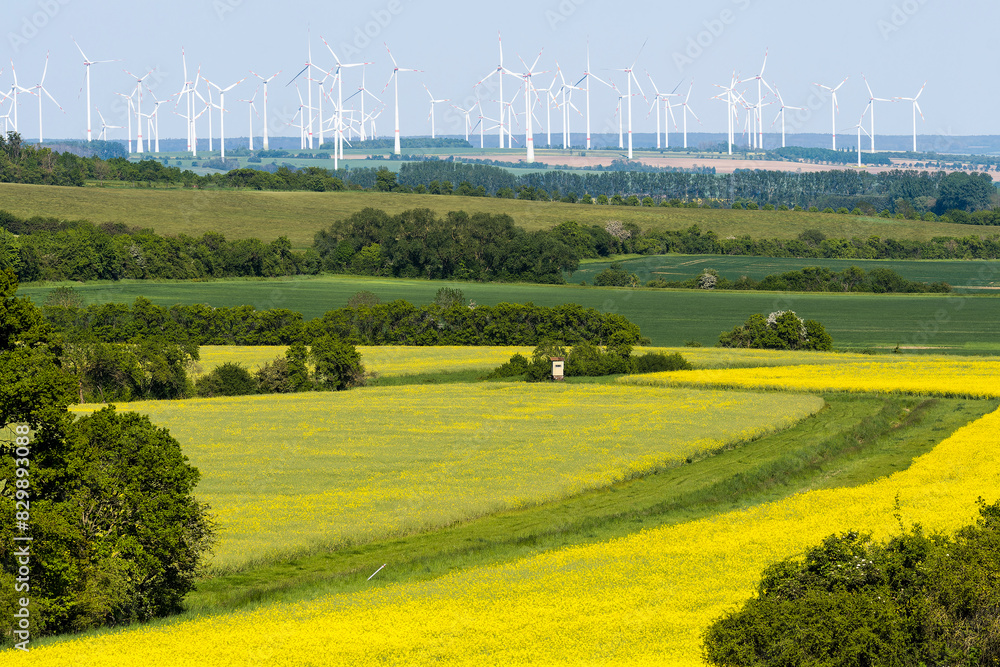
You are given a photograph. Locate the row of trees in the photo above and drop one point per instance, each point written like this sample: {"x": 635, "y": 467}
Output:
{"x": 810, "y": 279}
{"x": 394, "y": 323}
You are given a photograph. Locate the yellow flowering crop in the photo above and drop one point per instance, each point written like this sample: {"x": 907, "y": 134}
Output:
{"x": 942, "y": 375}
{"x": 639, "y": 600}
{"x": 283, "y": 472}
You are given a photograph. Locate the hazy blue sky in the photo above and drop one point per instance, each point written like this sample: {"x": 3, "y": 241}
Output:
{"x": 898, "y": 45}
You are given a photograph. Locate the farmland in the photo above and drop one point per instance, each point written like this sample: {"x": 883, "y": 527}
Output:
{"x": 285, "y": 472}
{"x": 647, "y": 595}
{"x": 667, "y": 317}
{"x": 299, "y": 215}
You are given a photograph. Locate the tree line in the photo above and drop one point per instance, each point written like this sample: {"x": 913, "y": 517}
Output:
{"x": 394, "y": 323}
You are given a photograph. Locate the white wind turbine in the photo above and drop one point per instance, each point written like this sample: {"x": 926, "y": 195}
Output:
{"x": 834, "y": 108}
{"x": 618, "y": 112}
{"x": 394, "y": 79}
{"x": 588, "y": 75}
{"x": 154, "y": 117}
{"x": 781, "y": 113}
{"x": 729, "y": 95}
{"x": 138, "y": 107}
{"x": 253, "y": 110}
{"x": 188, "y": 91}
{"x": 529, "y": 134}
{"x": 430, "y": 115}
{"x": 629, "y": 78}
{"x": 88, "y": 62}
{"x": 686, "y": 110}
{"x": 39, "y": 89}
{"x": 499, "y": 71}
{"x": 916, "y": 109}
{"x": 265, "y": 82}
{"x": 860, "y": 127}
{"x": 340, "y": 95}
{"x": 668, "y": 112}
{"x": 222, "y": 111}
{"x": 309, "y": 65}
{"x": 758, "y": 107}
{"x": 871, "y": 103}
{"x": 466, "y": 113}
{"x": 128, "y": 115}
{"x": 6, "y": 116}
{"x": 15, "y": 90}
{"x": 105, "y": 127}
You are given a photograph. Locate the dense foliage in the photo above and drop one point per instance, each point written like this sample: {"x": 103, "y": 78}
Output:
{"x": 419, "y": 244}
{"x": 917, "y": 599}
{"x": 781, "y": 330}
{"x": 810, "y": 279}
{"x": 117, "y": 534}
{"x": 394, "y": 323}
{"x": 584, "y": 359}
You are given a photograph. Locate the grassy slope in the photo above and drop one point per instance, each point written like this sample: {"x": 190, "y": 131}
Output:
{"x": 299, "y": 215}
{"x": 667, "y": 317}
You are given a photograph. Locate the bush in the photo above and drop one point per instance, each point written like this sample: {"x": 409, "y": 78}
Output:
{"x": 517, "y": 366}
{"x": 337, "y": 364}
{"x": 656, "y": 362}
{"x": 918, "y": 599}
{"x": 781, "y": 330}
{"x": 616, "y": 276}
{"x": 229, "y": 379}
{"x": 274, "y": 378}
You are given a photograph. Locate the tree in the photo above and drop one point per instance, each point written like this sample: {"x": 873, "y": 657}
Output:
{"x": 781, "y": 330}
{"x": 298, "y": 373}
{"x": 385, "y": 180}
{"x": 229, "y": 379}
{"x": 964, "y": 192}
{"x": 337, "y": 364}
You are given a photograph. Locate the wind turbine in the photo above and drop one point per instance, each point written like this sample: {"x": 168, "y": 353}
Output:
{"x": 309, "y": 65}
{"x": 15, "y": 90}
{"x": 138, "y": 107}
{"x": 430, "y": 115}
{"x": 588, "y": 75}
{"x": 468, "y": 120}
{"x": 629, "y": 78}
{"x": 265, "y": 82}
{"x": 871, "y": 103}
{"x": 758, "y": 130}
{"x": 222, "y": 111}
{"x": 88, "y": 62}
{"x": 860, "y": 128}
{"x": 40, "y": 88}
{"x": 340, "y": 95}
{"x": 188, "y": 92}
{"x": 529, "y": 134}
{"x": 154, "y": 117}
{"x": 916, "y": 108}
{"x": 668, "y": 112}
{"x": 394, "y": 79}
{"x": 500, "y": 72}
{"x": 729, "y": 98}
{"x": 128, "y": 115}
{"x": 687, "y": 109}
{"x": 833, "y": 108}
{"x": 781, "y": 112}
{"x": 105, "y": 127}
{"x": 253, "y": 110}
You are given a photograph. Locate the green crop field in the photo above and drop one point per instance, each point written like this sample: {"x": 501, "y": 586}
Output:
{"x": 299, "y": 215}
{"x": 962, "y": 274}
{"x": 666, "y": 317}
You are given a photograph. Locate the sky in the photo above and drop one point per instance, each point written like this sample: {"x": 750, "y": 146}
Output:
{"x": 896, "y": 44}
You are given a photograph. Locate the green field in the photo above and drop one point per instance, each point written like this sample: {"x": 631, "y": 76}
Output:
{"x": 299, "y": 215}
{"x": 961, "y": 274}
{"x": 666, "y": 317}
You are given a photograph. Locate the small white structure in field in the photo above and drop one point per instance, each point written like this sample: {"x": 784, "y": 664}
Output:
{"x": 558, "y": 368}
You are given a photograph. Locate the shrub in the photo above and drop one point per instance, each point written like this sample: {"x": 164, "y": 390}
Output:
{"x": 229, "y": 379}
{"x": 337, "y": 364}
{"x": 656, "y": 362}
{"x": 616, "y": 276}
{"x": 918, "y": 599}
{"x": 781, "y": 330}
{"x": 363, "y": 298}
{"x": 274, "y": 378}
{"x": 517, "y": 366}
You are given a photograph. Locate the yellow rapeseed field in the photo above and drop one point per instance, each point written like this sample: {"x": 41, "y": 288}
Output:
{"x": 640, "y": 600}
{"x": 941, "y": 375}
{"x": 284, "y": 472}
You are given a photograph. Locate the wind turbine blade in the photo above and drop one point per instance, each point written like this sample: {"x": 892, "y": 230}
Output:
{"x": 919, "y": 110}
